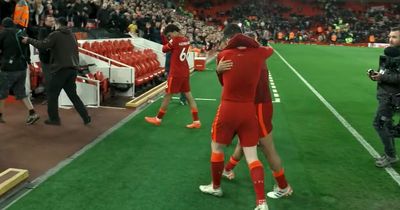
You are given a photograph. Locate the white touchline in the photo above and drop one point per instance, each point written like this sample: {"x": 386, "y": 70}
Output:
{"x": 273, "y": 89}
{"x": 198, "y": 99}
{"x": 363, "y": 142}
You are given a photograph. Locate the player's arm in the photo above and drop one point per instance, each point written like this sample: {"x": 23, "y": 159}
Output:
{"x": 241, "y": 40}
{"x": 219, "y": 74}
{"x": 224, "y": 65}
{"x": 267, "y": 51}
{"x": 168, "y": 47}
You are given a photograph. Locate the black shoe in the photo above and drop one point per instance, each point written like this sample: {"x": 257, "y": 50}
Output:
{"x": 32, "y": 119}
{"x": 87, "y": 120}
{"x": 50, "y": 122}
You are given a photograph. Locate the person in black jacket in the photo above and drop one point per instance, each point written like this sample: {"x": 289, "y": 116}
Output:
{"x": 44, "y": 54}
{"x": 64, "y": 61}
{"x": 14, "y": 57}
{"x": 388, "y": 93}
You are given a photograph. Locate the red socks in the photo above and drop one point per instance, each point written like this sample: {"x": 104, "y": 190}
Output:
{"x": 217, "y": 166}
{"x": 195, "y": 115}
{"x": 231, "y": 164}
{"x": 280, "y": 178}
{"x": 257, "y": 176}
{"x": 161, "y": 113}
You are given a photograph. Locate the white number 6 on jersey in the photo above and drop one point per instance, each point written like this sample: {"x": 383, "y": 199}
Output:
{"x": 183, "y": 55}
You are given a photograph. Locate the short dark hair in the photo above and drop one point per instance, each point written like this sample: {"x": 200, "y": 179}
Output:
{"x": 397, "y": 28}
{"x": 171, "y": 28}
{"x": 61, "y": 21}
{"x": 231, "y": 30}
{"x": 251, "y": 34}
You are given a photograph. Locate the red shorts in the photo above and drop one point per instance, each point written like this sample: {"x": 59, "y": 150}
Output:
{"x": 235, "y": 118}
{"x": 178, "y": 85}
{"x": 264, "y": 115}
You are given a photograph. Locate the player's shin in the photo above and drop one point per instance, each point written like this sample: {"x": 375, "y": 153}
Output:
{"x": 217, "y": 166}
{"x": 280, "y": 178}
{"x": 257, "y": 176}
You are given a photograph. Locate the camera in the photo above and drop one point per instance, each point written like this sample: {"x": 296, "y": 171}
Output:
{"x": 371, "y": 72}
{"x": 390, "y": 60}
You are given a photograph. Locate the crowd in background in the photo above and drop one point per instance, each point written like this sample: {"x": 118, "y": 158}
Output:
{"x": 148, "y": 18}
{"x": 141, "y": 18}
{"x": 335, "y": 22}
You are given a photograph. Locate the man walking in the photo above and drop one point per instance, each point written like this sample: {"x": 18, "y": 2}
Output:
{"x": 64, "y": 60}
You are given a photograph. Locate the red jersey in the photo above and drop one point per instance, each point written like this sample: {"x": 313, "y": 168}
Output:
{"x": 246, "y": 70}
{"x": 178, "y": 46}
{"x": 240, "y": 83}
{"x": 262, "y": 93}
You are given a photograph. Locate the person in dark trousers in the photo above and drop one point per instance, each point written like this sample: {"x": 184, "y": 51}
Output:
{"x": 64, "y": 61}
{"x": 44, "y": 54}
{"x": 14, "y": 57}
{"x": 388, "y": 91}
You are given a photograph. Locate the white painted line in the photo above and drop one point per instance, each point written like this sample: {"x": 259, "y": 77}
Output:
{"x": 111, "y": 107}
{"x": 345, "y": 123}
{"x": 198, "y": 99}
{"x": 205, "y": 99}
{"x": 276, "y": 97}
{"x": 277, "y": 100}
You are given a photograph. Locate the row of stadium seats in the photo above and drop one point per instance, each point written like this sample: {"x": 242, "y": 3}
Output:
{"x": 147, "y": 67}
{"x": 145, "y": 62}
{"x": 37, "y": 79}
{"x": 107, "y": 48}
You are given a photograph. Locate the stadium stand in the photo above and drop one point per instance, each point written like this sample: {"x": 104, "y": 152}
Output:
{"x": 287, "y": 21}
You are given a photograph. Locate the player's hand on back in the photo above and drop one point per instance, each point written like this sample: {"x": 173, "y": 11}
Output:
{"x": 224, "y": 65}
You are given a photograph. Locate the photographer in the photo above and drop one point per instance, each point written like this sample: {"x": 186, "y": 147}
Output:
{"x": 388, "y": 95}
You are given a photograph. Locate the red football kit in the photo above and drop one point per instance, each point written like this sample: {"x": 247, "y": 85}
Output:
{"x": 237, "y": 113}
{"x": 263, "y": 101}
{"x": 178, "y": 77}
